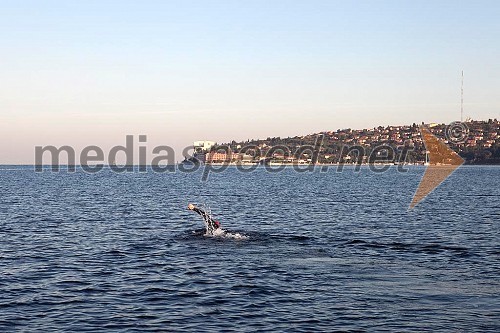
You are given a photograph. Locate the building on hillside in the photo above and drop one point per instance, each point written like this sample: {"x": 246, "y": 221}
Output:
{"x": 222, "y": 157}
{"x": 203, "y": 146}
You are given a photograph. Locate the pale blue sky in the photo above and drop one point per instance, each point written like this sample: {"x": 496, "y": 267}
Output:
{"x": 90, "y": 72}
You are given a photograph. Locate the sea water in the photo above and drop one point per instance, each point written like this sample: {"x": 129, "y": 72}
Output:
{"x": 320, "y": 251}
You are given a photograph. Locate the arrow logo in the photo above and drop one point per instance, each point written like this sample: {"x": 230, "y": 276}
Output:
{"x": 442, "y": 162}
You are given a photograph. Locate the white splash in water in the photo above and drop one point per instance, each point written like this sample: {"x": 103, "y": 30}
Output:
{"x": 226, "y": 234}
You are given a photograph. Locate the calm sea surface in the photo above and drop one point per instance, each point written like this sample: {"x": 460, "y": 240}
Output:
{"x": 323, "y": 252}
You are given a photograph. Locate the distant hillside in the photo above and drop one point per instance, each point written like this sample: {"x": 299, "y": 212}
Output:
{"x": 478, "y": 143}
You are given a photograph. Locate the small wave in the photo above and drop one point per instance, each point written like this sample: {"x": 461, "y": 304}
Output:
{"x": 254, "y": 236}
{"x": 411, "y": 247}
{"x": 16, "y": 169}
{"x": 288, "y": 237}
{"x": 299, "y": 237}
{"x": 365, "y": 243}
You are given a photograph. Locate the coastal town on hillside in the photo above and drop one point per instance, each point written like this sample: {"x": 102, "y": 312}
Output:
{"x": 477, "y": 142}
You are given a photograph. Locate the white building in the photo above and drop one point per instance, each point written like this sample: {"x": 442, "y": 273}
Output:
{"x": 203, "y": 146}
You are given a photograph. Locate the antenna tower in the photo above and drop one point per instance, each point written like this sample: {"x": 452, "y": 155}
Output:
{"x": 462, "y": 99}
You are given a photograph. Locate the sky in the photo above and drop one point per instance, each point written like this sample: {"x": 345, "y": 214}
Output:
{"x": 83, "y": 73}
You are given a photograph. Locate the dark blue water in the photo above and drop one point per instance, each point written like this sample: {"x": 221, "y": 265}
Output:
{"x": 325, "y": 252}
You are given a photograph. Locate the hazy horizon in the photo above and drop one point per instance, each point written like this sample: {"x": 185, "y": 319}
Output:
{"x": 90, "y": 73}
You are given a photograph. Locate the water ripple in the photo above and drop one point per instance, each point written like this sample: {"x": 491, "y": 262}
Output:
{"x": 322, "y": 252}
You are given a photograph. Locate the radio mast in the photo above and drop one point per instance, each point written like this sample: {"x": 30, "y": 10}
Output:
{"x": 462, "y": 99}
